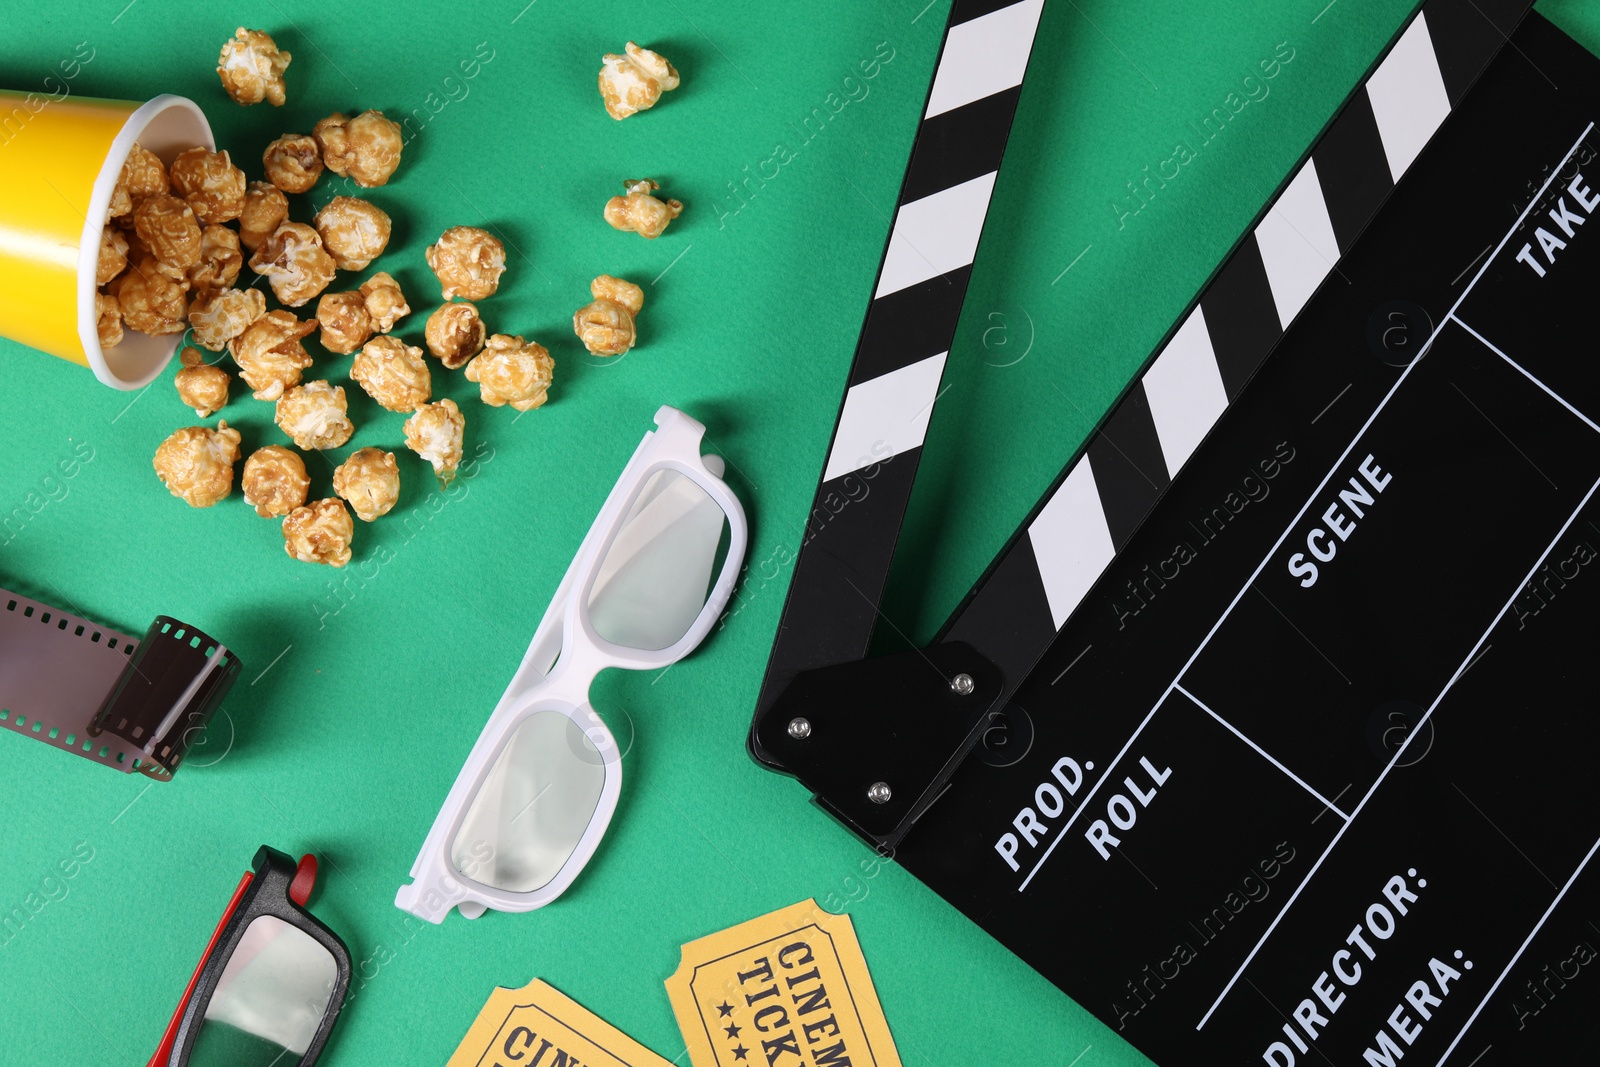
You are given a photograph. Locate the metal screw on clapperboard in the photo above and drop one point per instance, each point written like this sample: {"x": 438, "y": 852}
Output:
{"x": 879, "y": 792}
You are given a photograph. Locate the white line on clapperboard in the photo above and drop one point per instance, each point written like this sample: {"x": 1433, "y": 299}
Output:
{"x": 1083, "y": 806}
{"x": 1523, "y": 948}
{"x": 1263, "y": 753}
{"x": 1525, "y": 374}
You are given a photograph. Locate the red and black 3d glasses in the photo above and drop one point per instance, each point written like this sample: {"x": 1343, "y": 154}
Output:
{"x": 270, "y": 983}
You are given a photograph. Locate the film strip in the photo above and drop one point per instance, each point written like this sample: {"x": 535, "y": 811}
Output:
{"x": 125, "y": 703}
{"x": 1039, "y": 579}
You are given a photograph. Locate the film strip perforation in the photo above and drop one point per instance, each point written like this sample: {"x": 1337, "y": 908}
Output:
{"x": 80, "y": 627}
{"x": 69, "y": 739}
{"x": 108, "y": 651}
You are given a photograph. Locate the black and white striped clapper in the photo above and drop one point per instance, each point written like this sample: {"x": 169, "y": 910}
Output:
{"x": 1108, "y": 488}
{"x": 855, "y": 519}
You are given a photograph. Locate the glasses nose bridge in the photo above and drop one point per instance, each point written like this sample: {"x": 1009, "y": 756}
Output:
{"x": 568, "y": 679}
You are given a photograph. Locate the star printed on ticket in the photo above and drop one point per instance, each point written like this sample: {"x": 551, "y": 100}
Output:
{"x": 789, "y": 989}
{"x": 539, "y": 1026}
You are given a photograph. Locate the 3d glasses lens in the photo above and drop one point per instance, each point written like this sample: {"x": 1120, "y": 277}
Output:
{"x": 272, "y": 997}
{"x": 657, "y": 572}
{"x": 529, "y": 815}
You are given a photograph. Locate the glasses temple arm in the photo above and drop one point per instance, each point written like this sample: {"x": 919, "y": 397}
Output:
{"x": 164, "y": 1050}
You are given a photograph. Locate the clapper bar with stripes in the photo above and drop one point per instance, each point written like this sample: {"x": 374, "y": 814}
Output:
{"x": 1108, "y": 488}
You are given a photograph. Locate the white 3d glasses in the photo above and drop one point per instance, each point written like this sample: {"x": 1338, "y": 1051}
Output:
{"x": 537, "y": 792}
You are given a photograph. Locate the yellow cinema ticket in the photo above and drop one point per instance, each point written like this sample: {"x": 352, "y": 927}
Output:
{"x": 538, "y": 1026}
{"x": 789, "y": 989}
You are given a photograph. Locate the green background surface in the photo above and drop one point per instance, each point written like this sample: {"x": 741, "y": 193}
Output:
{"x": 364, "y": 689}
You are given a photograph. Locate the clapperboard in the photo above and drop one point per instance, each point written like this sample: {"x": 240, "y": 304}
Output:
{"x": 1267, "y": 737}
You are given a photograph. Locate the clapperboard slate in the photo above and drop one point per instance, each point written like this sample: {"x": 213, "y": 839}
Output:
{"x": 1308, "y": 779}
{"x": 1319, "y": 737}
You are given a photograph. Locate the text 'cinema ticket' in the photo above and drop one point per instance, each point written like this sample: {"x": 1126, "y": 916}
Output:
{"x": 539, "y": 1026}
{"x": 787, "y": 989}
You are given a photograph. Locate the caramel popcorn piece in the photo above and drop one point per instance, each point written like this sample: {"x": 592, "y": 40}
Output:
{"x": 171, "y": 271}
{"x": 434, "y": 433}
{"x": 217, "y": 316}
{"x": 113, "y": 258}
{"x": 140, "y": 258}
{"x": 265, "y": 209}
{"x": 295, "y": 262}
{"x": 270, "y": 355}
{"x": 167, "y": 229}
{"x": 108, "y": 320}
{"x": 151, "y": 302}
{"x": 618, "y": 291}
{"x": 143, "y": 174}
{"x": 220, "y": 259}
{"x": 196, "y": 464}
{"x": 639, "y": 212}
{"x": 365, "y": 148}
{"x": 355, "y": 231}
{"x": 385, "y": 302}
{"x": 292, "y": 163}
{"x": 210, "y": 183}
{"x": 201, "y": 385}
{"x": 393, "y": 373}
{"x": 512, "y": 371}
{"x": 344, "y": 321}
{"x": 319, "y": 532}
{"x": 468, "y": 262}
{"x": 370, "y": 481}
{"x": 314, "y": 415}
{"x": 251, "y": 68}
{"x": 275, "y": 481}
{"x": 606, "y": 326}
{"x": 455, "y": 334}
{"x": 635, "y": 80}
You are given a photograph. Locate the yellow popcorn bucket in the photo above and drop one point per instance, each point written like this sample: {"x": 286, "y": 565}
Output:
{"x": 59, "y": 162}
